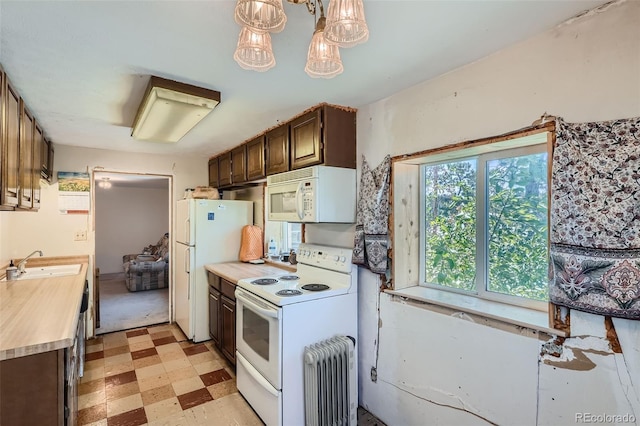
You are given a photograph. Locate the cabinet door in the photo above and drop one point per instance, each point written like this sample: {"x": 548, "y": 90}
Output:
{"x": 306, "y": 140}
{"x": 224, "y": 170}
{"x": 239, "y": 164}
{"x": 255, "y": 159}
{"x": 213, "y": 172}
{"x": 11, "y": 146}
{"x": 50, "y": 161}
{"x": 229, "y": 329}
{"x": 277, "y": 146}
{"x": 38, "y": 143}
{"x": 26, "y": 159}
{"x": 44, "y": 159}
{"x": 214, "y": 315}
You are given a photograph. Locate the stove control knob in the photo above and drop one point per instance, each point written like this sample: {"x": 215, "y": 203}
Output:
{"x": 343, "y": 259}
{"x": 336, "y": 258}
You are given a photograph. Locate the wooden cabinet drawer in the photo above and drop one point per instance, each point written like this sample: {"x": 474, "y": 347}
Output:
{"x": 214, "y": 280}
{"x": 228, "y": 289}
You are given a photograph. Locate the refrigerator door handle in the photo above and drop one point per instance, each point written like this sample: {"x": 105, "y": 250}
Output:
{"x": 187, "y": 262}
{"x": 187, "y": 229}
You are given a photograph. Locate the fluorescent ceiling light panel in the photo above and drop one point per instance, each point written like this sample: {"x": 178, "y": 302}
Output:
{"x": 170, "y": 109}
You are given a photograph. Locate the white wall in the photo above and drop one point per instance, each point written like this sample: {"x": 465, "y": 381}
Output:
{"x": 52, "y": 232}
{"x": 437, "y": 369}
{"x": 127, "y": 220}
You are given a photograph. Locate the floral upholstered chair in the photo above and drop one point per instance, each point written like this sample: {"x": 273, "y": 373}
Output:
{"x": 148, "y": 270}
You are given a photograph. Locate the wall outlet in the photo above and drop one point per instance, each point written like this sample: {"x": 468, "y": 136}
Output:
{"x": 80, "y": 235}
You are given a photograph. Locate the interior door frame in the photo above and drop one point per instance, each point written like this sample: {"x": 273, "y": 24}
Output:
{"x": 95, "y": 174}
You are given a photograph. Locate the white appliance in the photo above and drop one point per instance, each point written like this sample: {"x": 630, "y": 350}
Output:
{"x": 277, "y": 316}
{"x": 313, "y": 195}
{"x": 207, "y": 231}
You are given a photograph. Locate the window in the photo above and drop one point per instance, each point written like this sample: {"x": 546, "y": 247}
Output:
{"x": 484, "y": 225}
{"x": 292, "y": 236}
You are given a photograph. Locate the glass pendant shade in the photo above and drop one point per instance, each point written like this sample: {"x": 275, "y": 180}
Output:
{"x": 323, "y": 59}
{"x": 346, "y": 25}
{"x": 261, "y": 15}
{"x": 254, "y": 51}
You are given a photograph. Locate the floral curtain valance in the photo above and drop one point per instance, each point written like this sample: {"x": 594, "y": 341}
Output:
{"x": 595, "y": 217}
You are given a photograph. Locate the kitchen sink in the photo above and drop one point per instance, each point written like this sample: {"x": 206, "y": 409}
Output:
{"x": 49, "y": 271}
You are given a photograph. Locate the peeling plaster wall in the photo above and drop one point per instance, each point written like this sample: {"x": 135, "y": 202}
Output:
{"x": 437, "y": 369}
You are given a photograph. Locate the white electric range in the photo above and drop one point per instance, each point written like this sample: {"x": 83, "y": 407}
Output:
{"x": 277, "y": 316}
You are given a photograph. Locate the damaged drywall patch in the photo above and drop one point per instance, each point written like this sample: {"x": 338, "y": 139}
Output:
{"x": 612, "y": 336}
{"x": 571, "y": 353}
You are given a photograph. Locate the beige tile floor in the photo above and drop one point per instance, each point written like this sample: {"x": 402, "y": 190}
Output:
{"x": 155, "y": 376}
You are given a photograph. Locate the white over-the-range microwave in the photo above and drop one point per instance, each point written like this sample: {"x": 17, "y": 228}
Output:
{"x": 314, "y": 194}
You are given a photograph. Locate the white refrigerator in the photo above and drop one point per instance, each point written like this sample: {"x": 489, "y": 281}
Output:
{"x": 207, "y": 231}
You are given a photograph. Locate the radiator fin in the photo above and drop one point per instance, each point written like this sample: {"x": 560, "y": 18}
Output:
{"x": 330, "y": 395}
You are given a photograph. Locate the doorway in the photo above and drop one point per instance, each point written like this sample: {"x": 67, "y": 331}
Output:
{"x": 132, "y": 258}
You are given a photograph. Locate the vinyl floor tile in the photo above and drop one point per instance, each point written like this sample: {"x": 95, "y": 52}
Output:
{"x": 114, "y": 369}
{"x": 154, "y": 395}
{"x": 192, "y": 399}
{"x": 163, "y": 409}
{"x": 184, "y": 386}
{"x": 154, "y": 376}
{"x": 122, "y": 405}
{"x": 122, "y": 391}
{"x": 146, "y": 361}
{"x": 134, "y": 417}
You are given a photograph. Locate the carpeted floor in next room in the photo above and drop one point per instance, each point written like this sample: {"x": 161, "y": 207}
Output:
{"x": 121, "y": 309}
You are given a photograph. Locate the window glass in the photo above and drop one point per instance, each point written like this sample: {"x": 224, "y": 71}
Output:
{"x": 450, "y": 224}
{"x": 484, "y": 227}
{"x": 517, "y": 226}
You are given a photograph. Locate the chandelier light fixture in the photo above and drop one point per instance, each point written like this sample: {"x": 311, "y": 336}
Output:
{"x": 344, "y": 26}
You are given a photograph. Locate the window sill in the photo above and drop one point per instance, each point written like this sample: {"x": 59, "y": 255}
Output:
{"x": 486, "y": 309}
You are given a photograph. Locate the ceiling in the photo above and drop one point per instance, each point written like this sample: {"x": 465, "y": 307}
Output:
{"x": 82, "y": 66}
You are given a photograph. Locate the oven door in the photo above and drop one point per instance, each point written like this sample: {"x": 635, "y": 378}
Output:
{"x": 259, "y": 335}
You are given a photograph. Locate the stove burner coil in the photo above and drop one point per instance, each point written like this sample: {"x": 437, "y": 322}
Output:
{"x": 264, "y": 281}
{"x": 315, "y": 287}
{"x": 289, "y": 277}
{"x": 289, "y": 292}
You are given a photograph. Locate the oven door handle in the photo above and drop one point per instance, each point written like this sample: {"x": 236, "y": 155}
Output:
{"x": 255, "y": 305}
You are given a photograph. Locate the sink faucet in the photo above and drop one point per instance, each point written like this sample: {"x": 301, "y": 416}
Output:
{"x": 24, "y": 261}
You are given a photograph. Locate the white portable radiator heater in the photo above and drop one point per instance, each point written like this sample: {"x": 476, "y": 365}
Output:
{"x": 330, "y": 383}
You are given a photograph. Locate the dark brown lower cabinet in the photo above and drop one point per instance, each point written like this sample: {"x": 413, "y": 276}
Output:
{"x": 32, "y": 389}
{"x": 41, "y": 389}
{"x": 214, "y": 315}
{"x": 229, "y": 328}
{"x": 222, "y": 315}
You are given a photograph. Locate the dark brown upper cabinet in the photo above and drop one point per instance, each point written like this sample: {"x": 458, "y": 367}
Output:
{"x": 26, "y": 159}
{"x": 326, "y": 135}
{"x": 255, "y": 159}
{"x": 45, "y": 170}
{"x": 277, "y": 150}
{"x": 239, "y": 164}
{"x": 38, "y": 143}
{"x": 224, "y": 169}
{"x": 306, "y": 140}
{"x": 213, "y": 172}
{"x": 10, "y": 145}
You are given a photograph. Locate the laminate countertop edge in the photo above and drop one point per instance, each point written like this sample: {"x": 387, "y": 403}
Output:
{"x": 235, "y": 271}
{"x": 41, "y": 315}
